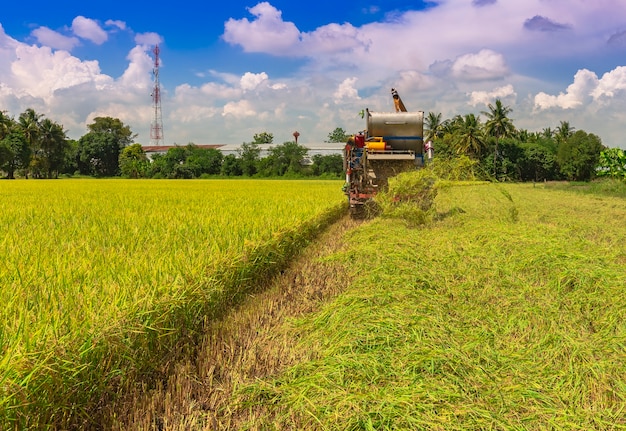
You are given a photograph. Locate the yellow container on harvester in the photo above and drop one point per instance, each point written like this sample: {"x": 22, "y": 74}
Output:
{"x": 377, "y": 144}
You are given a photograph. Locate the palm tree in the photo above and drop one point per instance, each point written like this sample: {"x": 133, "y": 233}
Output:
{"x": 53, "y": 141}
{"x": 434, "y": 126}
{"x": 28, "y": 122}
{"x": 6, "y": 123}
{"x": 498, "y": 125}
{"x": 563, "y": 132}
{"x": 469, "y": 137}
{"x": 547, "y": 132}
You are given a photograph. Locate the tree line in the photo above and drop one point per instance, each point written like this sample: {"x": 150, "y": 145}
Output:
{"x": 33, "y": 146}
{"x": 288, "y": 159}
{"x": 506, "y": 153}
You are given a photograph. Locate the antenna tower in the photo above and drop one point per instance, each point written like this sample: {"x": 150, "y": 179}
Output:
{"x": 156, "y": 128}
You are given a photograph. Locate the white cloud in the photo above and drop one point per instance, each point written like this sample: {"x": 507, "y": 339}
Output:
{"x": 39, "y": 72}
{"x": 250, "y": 81}
{"x": 506, "y": 93}
{"x": 611, "y": 84}
{"x": 239, "y": 109}
{"x": 53, "y": 39}
{"x": 484, "y": 65}
{"x": 577, "y": 93}
{"x": 116, "y": 23}
{"x": 137, "y": 74}
{"x": 332, "y": 38}
{"x": 346, "y": 90}
{"x": 89, "y": 29}
{"x": 267, "y": 33}
{"x": 148, "y": 39}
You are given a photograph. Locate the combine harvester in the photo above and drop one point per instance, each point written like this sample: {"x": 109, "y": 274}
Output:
{"x": 391, "y": 143}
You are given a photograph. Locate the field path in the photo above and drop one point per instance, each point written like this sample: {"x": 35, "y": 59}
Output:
{"x": 249, "y": 343}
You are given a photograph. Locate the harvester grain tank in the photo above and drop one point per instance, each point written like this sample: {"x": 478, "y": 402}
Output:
{"x": 392, "y": 142}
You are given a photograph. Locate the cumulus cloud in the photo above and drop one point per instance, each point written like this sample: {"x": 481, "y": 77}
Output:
{"x": 611, "y": 84}
{"x": 239, "y": 109}
{"x": 89, "y": 29}
{"x": 484, "y": 65}
{"x": 346, "y": 90}
{"x": 148, "y": 39}
{"x": 541, "y": 23}
{"x": 250, "y": 81}
{"x": 137, "y": 73}
{"x": 332, "y": 38}
{"x": 53, "y": 39}
{"x": 39, "y": 72}
{"x": 577, "y": 93}
{"x": 506, "y": 93}
{"x": 116, "y": 23}
{"x": 266, "y": 33}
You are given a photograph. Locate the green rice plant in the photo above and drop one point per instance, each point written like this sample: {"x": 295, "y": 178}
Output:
{"x": 601, "y": 186}
{"x": 410, "y": 196}
{"x": 104, "y": 283}
{"x": 460, "y": 168}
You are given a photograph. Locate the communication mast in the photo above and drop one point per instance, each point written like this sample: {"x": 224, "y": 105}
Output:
{"x": 156, "y": 128}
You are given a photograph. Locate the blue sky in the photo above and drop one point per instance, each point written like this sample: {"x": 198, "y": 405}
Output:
{"x": 232, "y": 69}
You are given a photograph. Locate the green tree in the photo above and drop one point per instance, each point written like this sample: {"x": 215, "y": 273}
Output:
{"x": 29, "y": 124}
{"x": 6, "y": 124}
{"x": 284, "y": 159}
{"x": 231, "y": 166}
{"x": 469, "y": 138}
{"x": 338, "y": 135}
{"x": 263, "y": 138}
{"x": 579, "y": 155}
{"x": 498, "y": 125}
{"x": 115, "y": 127}
{"x": 53, "y": 148}
{"x": 249, "y": 155}
{"x": 203, "y": 161}
{"x": 538, "y": 162}
{"x": 99, "y": 154}
{"x": 563, "y": 132}
{"x": 612, "y": 163}
{"x": 14, "y": 152}
{"x": 330, "y": 164}
{"x": 134, "y": 162}
{"x": 434, "y": 127}
{"x": 99, "y": 150}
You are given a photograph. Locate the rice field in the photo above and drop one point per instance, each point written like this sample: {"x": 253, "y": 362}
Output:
{"x": 104, "y": 281}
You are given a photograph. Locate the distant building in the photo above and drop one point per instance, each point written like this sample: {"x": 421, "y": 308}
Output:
{"x": 323, "y": 148}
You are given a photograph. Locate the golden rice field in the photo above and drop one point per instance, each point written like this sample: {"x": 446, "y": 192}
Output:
{"x": 102, "y": 281}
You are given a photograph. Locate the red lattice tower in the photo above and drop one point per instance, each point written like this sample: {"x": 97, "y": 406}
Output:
{"x": 156, "y": 128}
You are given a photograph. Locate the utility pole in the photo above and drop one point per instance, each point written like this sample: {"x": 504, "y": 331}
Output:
{"x": 156, "y": 128}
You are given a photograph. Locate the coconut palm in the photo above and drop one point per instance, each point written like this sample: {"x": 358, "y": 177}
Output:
{"x": 53, "y": 141}
{"x": 563, "y": 132}
{"x": 498, "y": 125}
{"x": 434, "y": 127}
{"x": 547, "y": 132}
{"x": 469, "y": 137}
{"x": 6, "y": 123}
